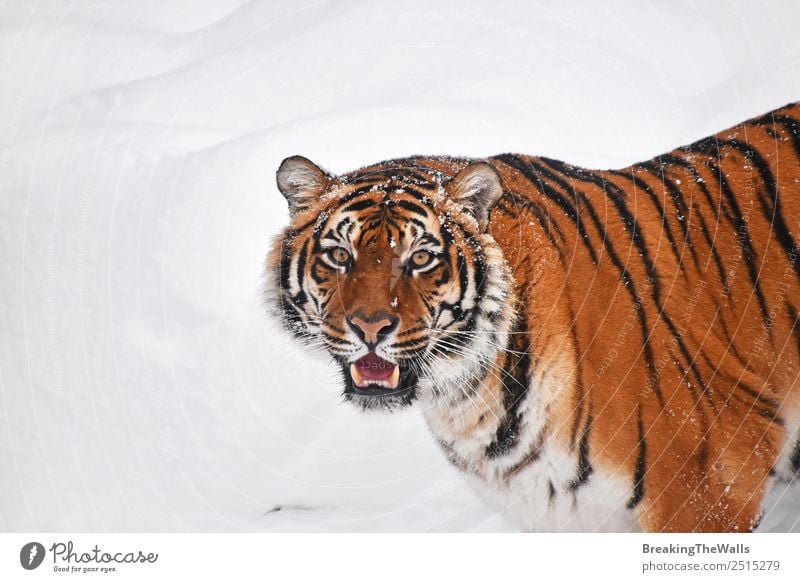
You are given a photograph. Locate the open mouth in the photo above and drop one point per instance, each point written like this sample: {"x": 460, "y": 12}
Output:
{"x": 372, "y": 371}
{"x": 375, "y": 377}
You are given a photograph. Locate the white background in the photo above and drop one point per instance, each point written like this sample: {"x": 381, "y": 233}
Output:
{"x": 141, "y": 386}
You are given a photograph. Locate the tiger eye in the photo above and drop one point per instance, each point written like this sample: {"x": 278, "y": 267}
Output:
{"x": 339, "y": 256}
{"x": 421, "y": 258}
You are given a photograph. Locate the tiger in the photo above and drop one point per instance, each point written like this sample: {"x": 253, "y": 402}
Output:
{"x": 593, "y": 350}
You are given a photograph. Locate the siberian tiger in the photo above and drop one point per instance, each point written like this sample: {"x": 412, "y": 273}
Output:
{"x": 594, "y": 350}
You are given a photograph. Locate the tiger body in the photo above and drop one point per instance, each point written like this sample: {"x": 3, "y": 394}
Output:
{"x": 596, "y": 350}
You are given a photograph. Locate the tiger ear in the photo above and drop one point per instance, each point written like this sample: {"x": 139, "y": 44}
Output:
{"x": 477, "y": 188}
{"x": 301, "y": 182}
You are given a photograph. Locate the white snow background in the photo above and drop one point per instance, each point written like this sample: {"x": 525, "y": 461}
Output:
{"x": 141, "y": 385}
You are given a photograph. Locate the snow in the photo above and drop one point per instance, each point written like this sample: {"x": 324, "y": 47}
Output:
{"x": 142, "y": 387}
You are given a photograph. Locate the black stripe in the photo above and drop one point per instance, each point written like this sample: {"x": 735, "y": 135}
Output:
{"x": 585, "y": 469}
{"x": 393, "y": 173}
{"x": 697, "y": 408}
{"x": 455, "y": 459}
{"x": 738, "y": 383}
{"x": 529, "y": 457}
{"x": 795, "y": 327}
{"x": 673, "y": 160}
{"x": 742, "y": 235}
{"x": 731, "y": 346}
{"x": 360, "y": 205}
{"x": 479, "y": 271}
{"x": 548, "y": 221}
{"x": 713, "y": 250}
{"x": 335, "y": 328}
{"x": 285, "y": 268}
{"x": 641, "y": 466}
{"x": 572, "y": 212}
{"x": 774, "y": 213}
{"x": 794, "y": 458}
{"x": 301, "y": 264}
{"x": 347, "y": 224}
{"x": 423, "y": 195}
{"x": 365, "y": 179}
{"x": 291, "y": 233}
{"x": 708, "y": 146}
{"x": 515, "y": 389}
{"x": 346, "y": 200}
{"x": 791, "y": 125}
{"x": 657, "y": 170}
{"x": 665, "y": 225}
{"x": 463, "y": 274}
{"x": 415, "y": 208}
{"x": 569, "y": 193}
{"x": 319, "y": 279}
{"x": 412, "y": 329}
{"x": 763, "y": 411}
{"x": 370, "y": 230}
{"x": 580, "y": 390}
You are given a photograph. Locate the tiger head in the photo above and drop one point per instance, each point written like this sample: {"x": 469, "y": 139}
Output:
{"x": 391, "y": 271}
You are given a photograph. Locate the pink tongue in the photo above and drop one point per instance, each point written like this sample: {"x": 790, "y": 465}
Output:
{"x": 373, "y": 367}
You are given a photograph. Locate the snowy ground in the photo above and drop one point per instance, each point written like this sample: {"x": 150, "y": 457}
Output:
{"x": 141, "y": 387}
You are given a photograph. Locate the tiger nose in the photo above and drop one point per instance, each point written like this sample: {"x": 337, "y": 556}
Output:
{"x": 373, "y": 330}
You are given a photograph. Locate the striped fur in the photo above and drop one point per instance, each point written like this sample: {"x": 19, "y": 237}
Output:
{"x": 603, "y": 350}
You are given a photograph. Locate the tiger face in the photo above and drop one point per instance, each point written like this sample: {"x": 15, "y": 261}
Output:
{"x": 390, "y": 270}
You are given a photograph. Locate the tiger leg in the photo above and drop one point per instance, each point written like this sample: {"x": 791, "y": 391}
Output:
{"x": 718, "y": 484}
